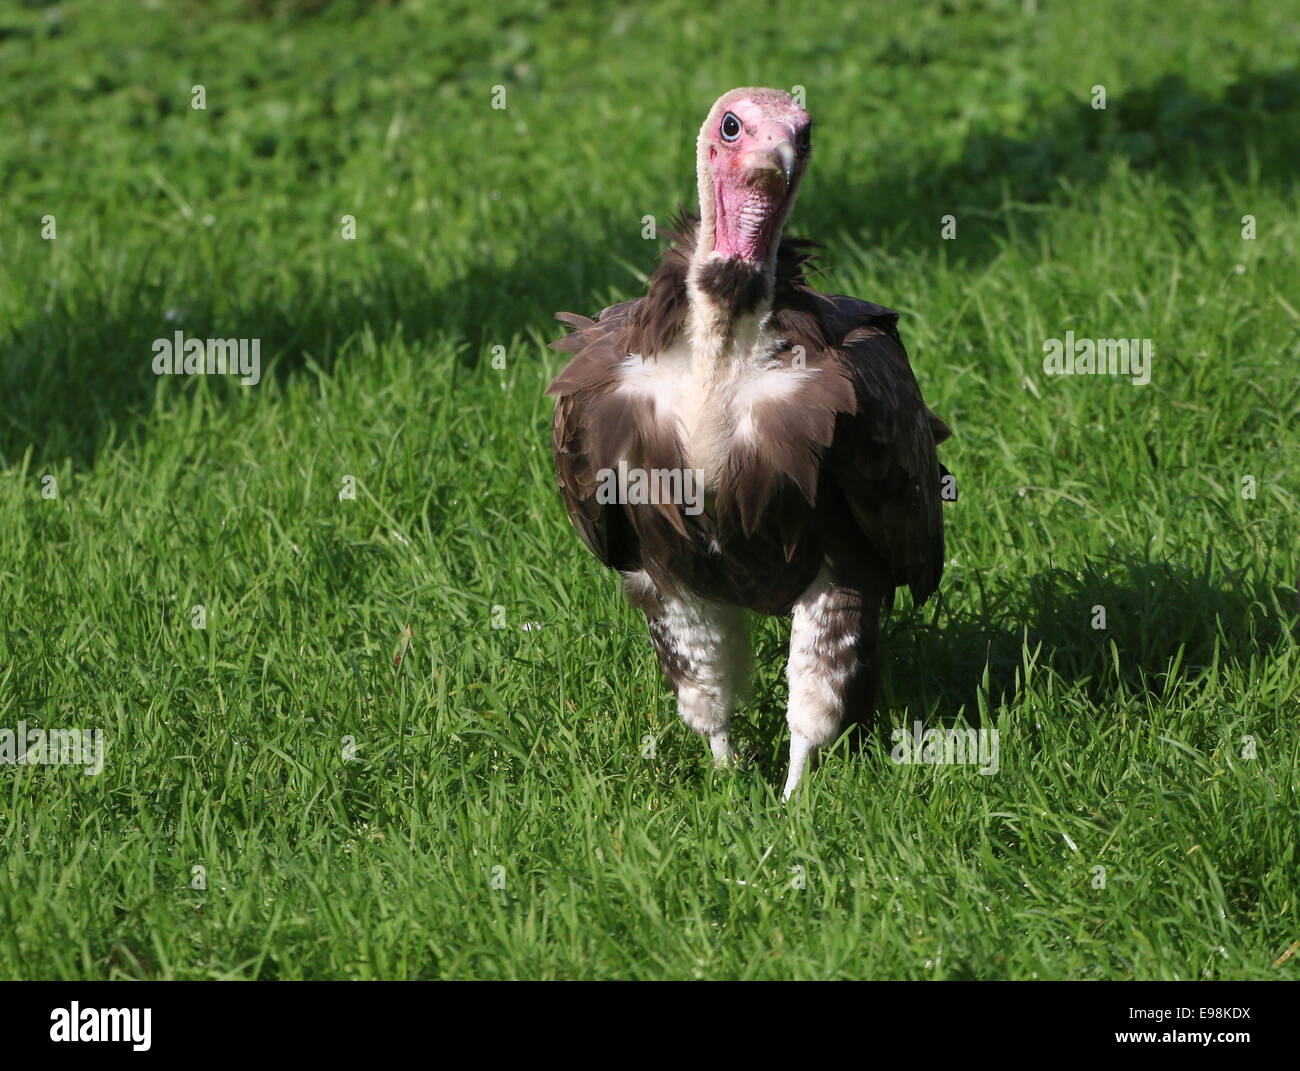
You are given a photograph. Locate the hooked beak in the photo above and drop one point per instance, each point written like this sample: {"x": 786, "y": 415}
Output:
{"x": 773, "y": 160}
{"x": 772, "y": 154}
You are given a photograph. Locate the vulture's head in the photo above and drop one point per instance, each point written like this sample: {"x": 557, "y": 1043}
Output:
{"x": 752, "y": 152}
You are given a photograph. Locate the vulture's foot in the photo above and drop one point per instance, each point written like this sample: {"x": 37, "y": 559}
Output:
{"x": 833, "y": 660}
{"x": 801, "y": 750}
{"x": 724, "y": 754}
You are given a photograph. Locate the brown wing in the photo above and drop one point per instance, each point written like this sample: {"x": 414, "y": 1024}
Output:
{"x": 582, "y": 392}
{"x": 596, "y": 426}
{"x": 883, "y": 458}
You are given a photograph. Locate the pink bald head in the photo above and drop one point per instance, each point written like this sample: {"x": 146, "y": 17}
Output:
{"x": 752, "y": 152}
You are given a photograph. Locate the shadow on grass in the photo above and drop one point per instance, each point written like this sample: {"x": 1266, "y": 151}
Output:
{"x": 79, "y": 371}
{"x": 1249, "y": 132}
{"x": 1165, "y": 624}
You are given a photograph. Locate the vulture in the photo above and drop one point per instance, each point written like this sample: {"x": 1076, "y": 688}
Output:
{"x": 736, "y": 442}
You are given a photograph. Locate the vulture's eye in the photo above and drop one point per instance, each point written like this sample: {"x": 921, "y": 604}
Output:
{"x": 730, "y": 127}
{"x": 803, "y": 140}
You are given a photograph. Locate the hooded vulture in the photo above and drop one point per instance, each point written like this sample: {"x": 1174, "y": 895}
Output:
{"x": 736, "y": 441}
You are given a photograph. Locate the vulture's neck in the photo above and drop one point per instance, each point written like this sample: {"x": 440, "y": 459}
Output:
{"x": 729, "y": 300}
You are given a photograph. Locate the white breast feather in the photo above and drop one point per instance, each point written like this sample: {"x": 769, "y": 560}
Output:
{"x": 712, "y": 401}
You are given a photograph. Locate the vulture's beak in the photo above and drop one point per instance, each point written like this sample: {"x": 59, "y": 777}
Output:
{"x": 777, "y": 156}
{"x": 785, "y": 157}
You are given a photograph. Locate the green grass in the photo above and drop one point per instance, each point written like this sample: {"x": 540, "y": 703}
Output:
{"x": 521, "y": 747}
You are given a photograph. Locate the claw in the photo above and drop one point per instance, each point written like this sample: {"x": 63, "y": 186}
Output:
{"x": 800, "y": 750}
{"x": 723, "y": 753}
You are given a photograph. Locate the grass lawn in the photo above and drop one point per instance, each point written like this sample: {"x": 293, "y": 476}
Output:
{"x": 420, "y": 733}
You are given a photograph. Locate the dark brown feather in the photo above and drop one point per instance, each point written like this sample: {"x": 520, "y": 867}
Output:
{"x": 843, "y": 471}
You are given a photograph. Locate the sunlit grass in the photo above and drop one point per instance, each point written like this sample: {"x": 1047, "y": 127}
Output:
{"x": 520, "y": 800}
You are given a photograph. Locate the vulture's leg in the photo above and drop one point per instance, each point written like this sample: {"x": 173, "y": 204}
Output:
{"x": 834, "y": 664}
{"x": 703, "y": 647}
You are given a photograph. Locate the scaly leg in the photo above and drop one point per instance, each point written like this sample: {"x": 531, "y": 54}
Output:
{"x": 704, "y": 650}
{"x": 833, "y": 668}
